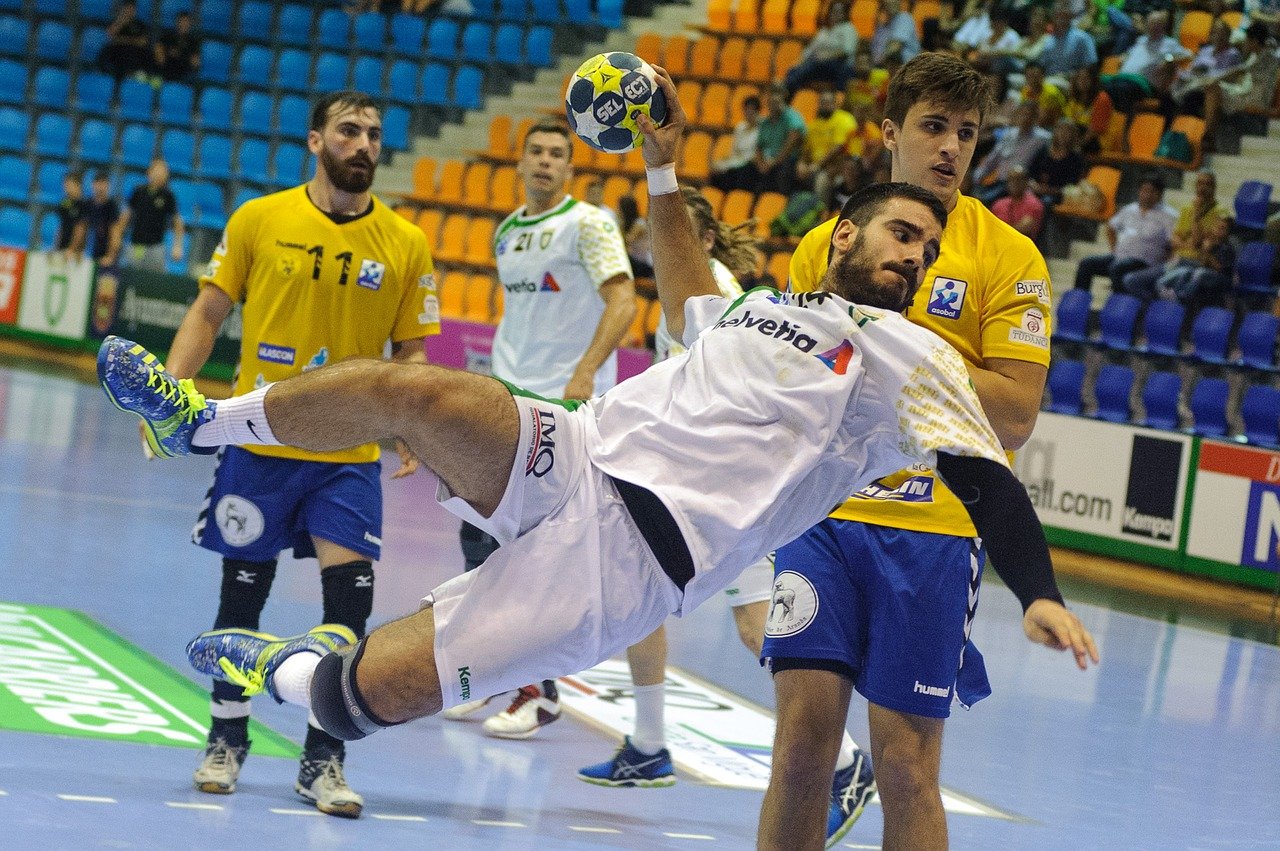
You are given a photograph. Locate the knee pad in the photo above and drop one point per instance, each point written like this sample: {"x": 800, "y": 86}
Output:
{"x": 335, "y": 699}
{"x": 348, "y": 594}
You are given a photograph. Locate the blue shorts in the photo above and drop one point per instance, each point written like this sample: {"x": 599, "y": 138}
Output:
{"x": 259, "y": 506}
{"x": 889, "y": 608}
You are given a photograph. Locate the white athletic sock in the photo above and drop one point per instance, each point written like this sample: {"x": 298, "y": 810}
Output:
{"x": 237, "y": 421}
{"x": 649, "y": 736}
{"x": 847, "y": 747}
{"x": 293, "y": 678}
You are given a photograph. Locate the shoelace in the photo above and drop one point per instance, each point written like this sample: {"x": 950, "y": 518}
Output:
{"x": 251, "y": 681}
{"x": 182, "y": 393}
{"x": 527, "y": 693}
{"x": 220, "y": 756}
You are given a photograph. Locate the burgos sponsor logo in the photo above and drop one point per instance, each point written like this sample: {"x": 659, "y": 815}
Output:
{"x": 1032, "y": 331}
{"x": 1039, "y": 289}
{"x": 276, "y": 354}
{"x": 784, "y": 330}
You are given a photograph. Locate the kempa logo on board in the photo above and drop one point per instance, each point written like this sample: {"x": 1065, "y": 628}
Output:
{"x": 1151, "y": 501}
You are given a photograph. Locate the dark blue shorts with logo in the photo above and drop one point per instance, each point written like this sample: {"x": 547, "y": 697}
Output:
{"x": 259, "y": 506}
{"x": 889, "y": 608}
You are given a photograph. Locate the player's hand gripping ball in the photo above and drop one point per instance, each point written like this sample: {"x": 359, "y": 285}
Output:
{"x": 606, "y": 94}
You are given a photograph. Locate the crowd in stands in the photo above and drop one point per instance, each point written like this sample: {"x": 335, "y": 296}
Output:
{"x": 133, "y": 51}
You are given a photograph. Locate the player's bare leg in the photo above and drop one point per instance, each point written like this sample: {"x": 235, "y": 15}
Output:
{"x": 906, "y": 750}
{"x": 749, "y": 619}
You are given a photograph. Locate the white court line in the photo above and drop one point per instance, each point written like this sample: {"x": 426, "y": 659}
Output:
{"x": 583, "y": 829}
{"x": 387, "y": 817}
{"x": 283, "y": 812}
{"x": 88, "y": 799}
{"x": 187, "y": 805}
{"x": 689, "y": 836}
{"x": 488, "y": 823}
{"x": 3, "y": 793}
{"x": 863, "y": 847}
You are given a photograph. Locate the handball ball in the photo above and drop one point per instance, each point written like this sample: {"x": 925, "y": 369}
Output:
{"x": 606, "y": 94}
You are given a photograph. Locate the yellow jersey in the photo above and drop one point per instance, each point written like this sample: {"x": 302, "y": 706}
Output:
{"x": 824, "y": 135}
{"x": 987, "y": 295}
{"x": 317, "y": 292}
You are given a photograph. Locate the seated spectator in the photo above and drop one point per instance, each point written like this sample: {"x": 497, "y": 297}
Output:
{"x": 128, "y": 48}
{"x": 1140, "y": 236}
{"x": 1198, "y": 243}
{"x": 999, "y": 51}
{"x": 825, "y": 139}
{"x": 938, "y": 33}
{"x": 1148, "y": 68}
{"x": 1017, "y": 147}
{"x": 1049, "y": 99}
{"x": 1020, "y": 208}
{"x": 1058, "y": 165}
{"x": 1090, "y": 108}
{"x": 73, "y": 212}
{"x": 635, "y": 233}
{"x": 866, "y": 160}
{"x": 895, "y": 34}
{"x": 1250, "y": 85}
{"x": 1110, "y": 26}
{"x": 974, "y": 29}
{"x": 778, "y": 144}
{"x": 178, "y": 50}
{"x": 745, "y": 133}
{"x": 1265, "y": 12}
{"x": 828, "y": 57}
{"x": 1211, "y": 64}
{"x": 594, "y": 195}
{"x": 1037, "y": 35}
{"x": 1068, "y": 49}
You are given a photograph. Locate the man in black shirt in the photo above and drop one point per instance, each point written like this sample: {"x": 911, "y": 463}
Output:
{"x": 128, "y": 47}
{"x": 178, "y": 50}
{"x": 73, "y": 214}
{"x": 150, "y": 210}
{"x": 102, "y": 213}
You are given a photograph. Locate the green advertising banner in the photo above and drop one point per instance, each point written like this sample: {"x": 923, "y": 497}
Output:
{"x": 55, "y": 295}
{"x": 64, "y": 674}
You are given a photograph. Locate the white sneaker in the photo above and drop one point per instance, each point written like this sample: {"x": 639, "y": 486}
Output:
{"x": 321, "y": 781}
{"x": 530, "y": 710}
{"x": 220, "y": 767}
{"x": 463, "y": 710}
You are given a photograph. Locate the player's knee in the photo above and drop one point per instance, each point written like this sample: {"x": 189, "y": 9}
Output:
{"x": 336, "y": 700}
{"x": 905, "y": 770}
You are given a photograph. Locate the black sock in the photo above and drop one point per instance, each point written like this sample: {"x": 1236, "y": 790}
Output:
{"x": 234, "y": 730}
{"x": 319, "y": 740}
{"x": 348, "y": 594}
{"x": 549, "y": 690}
{"x": 245, "y": 586}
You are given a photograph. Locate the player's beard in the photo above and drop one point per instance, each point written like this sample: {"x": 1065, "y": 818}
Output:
{"x": 343, "y": 176}
{"x": 853, "y": 277}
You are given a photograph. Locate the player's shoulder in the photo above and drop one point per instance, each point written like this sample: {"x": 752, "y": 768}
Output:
{"x": 980, "y": 230}
{"x": 592, "y": 216}
{"x": 271, "y": 204}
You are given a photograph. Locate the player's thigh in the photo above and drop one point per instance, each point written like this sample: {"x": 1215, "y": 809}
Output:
{"x": 397, "y": 670}
{"x": 749, "y": 618}
{"x": 902, "y": 741}
{"x": 811, "y": 709}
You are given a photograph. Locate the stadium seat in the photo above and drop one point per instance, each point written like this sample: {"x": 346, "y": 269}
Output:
{"x": 675, "y": 56}
{"x": 294, "y": 28}
{"x": 15, "y": 227}
{"x": 732, "y": 54}
{"x": 453, "y": 238}
{"x": 294, "y": 114}
{"x": 402, "y": 82}
{"x": 442, "y": 39}
{"x": 183, "y": 190}
{"x": 1162, "y": 328}
{"x": 254, "y": 66}
{"x": 720, "y": 15}
{"x": 714, "y": 108}
{"x": 546, "y": 11}
{"x": 649, "y": 47}
{"x": 51, "y": 8}
{"x": 769, "y": 205}
{"x": 14, "y": 125}
{"x": 14, "y": 35}
{"x": 615, "y": 186}
{"x": 477, "y": 44}
{"x": 177, "y": 101}
{"x": 1160, "y": 397}
{"x": 1194, "y": 29}
{"x": 331, "y": 72}
{"x": 428, "y": 222}
{"x": 169, "y": 10}
{"x": 1252, "y": 202}
{"x": 424, "y": 177}
{"x": 608, "y": 13}
{"x": 215, "y": 109}
{"x": 53, "y": 41}
{"x": 1112, "y": 390}
{"x": 137, "y": 100}
{"x": 15, "y": 76}
{"x": 288, "y": 163}
{"x": 15, "y": 179}
{"x": 1210, "y": 333}
{"x": 863, "y": 16}
{"x": 1255, "y": 268}
{"x": 499, "y": 139}
{"x": 52, "y": 87}
{"x": 695, "y": 160}
{"x": 48, "y": 231}
{"x": 137, "y": 145}
{"x": 1259, "y": 331}
{"x": 216, "y": 17}
{"x": 255, "y": 21}
{"x": 366, "y": 74}
{"x": 1260, "y": 411}
{"x": 395, "y": 128}
{"x": 96, "y": 141}
{"x": 737, "y": 207}
{"x": 53, "y": 135}
{"x": 215, "y": 157}
{"x": 804, "y": 18}
{"x": 435, "y": 84}
{"x": 479, "y": 250}
{"x": 293, "y": 70}
{"x": 371, "y": 32}
{"x": 1065, "y": 383}
{"x": 333, "y": 29}
{"x": 255, "y": 113}
{"x": 758, "y": 63}
{"x": 452, "y": 293}
{"x": 1209, "y": 407}
{"x": 475, "y": 184}
{"x": 477, "y": 300}
{"x": 1145, "y": 131}
{"x": 537, "y": 47}
{"x": 93, "y": 93}
{"x": 1118, "y": 320}
{"x": 702, "y": 57}
{"x": 92, "y": 40}
{"x": 178, "y": 149}
{"x": 773, "y": 17}
{"x": 407, "y": 34}
{"x": 449, "y": 188}
{"x": 1193, "y": 128}
{"x": 252, "y": 161}
{"x": 466, "y": 87}
{"x": 504, "y": 191}
{"x": 215, "y": 61}
{"x": 208, "y": 207}
{"x": 102, "y": 11}
{"x": 805, "y": 102}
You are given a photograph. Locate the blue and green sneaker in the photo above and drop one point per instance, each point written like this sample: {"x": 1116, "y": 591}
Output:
{"x": 851, "y": 790}
{"x": 171, "y": 409}
{"x": 247, "y": 659}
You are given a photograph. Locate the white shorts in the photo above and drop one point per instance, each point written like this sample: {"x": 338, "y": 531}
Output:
{"x": 753, "y": 585}
{"x": 573, "y": 583}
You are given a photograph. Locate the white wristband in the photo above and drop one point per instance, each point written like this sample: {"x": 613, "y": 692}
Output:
{"x": 662, "y": 180}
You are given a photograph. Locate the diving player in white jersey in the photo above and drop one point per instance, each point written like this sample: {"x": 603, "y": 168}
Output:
{"x": 641, "y": 503}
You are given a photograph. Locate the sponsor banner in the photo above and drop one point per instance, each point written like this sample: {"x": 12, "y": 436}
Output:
{"x": 1235, "y": 511}
{"x": 12, "y": 262}
{"x": 469, "y": 345}
{"x": 713, "y": 735}
{"x": 55, "y": 294}
{"x": 63, "y": 674}
{"x": 1113, "y": 481}
{"x": 149, "y": 307}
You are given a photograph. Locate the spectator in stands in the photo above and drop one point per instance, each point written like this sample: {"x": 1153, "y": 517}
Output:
{"x": 1037, "y": 37}
{"x": 778, "y": 144}
{"x": 895, "y": 34}
{"x": 1050, "y": 100}
{"x": 1109, "y": 25}
{"x": 594, "y": 195}
{"x": 745, "y": 135}
{"x": 151, "y": 210}
{"x": 825, "y": 139}
{"x": 73, "y": 213}
{"x": 1069, "y": 48}
{"x": 1090, "y": 107}
{"x": 1058, "y": 165}
{"x": 635, "y": 233}
{"x": 100, "y": 218}
{"x": 1251, "y": 85}
{"x": 999, "y": 50}
{"x": 865, "y": 160}
{"x": 128, "y": 48}
{"x": 1265, "y": 12}
{"x": 974, "y": 29}
{"x": 178, "y": 50}
{"x": 1200, "y": 249}
{"x": 828, "y": 57}
{"x": 1140, "y": 235}
{"x": 1148, "y": 68}
{"x": 1019, "y": 207}
{"x": 1017, "y": 147}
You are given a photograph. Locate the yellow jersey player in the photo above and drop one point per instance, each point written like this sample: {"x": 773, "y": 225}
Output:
{"x": 325, "y": 272}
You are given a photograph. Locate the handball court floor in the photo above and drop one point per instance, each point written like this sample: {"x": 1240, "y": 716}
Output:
{"x": 1173, "y": 742}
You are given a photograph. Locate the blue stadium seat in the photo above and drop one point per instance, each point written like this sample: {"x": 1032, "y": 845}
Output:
{"x": 1260, "y": 411}
{"x": 169, "y": 10}
{"x": 295, "y": 115}
{"x": 395, "y": 128}
{"x": 477, "y": 43}
{"x": 484, "y": 9}
{"x": 49, "y": 176}
{"x": 1118, "y": 320}
{"x": 333, "y": 30}
{"x": 132, "y": 180}
{"x": 245, "y": 194}
{"x": 96, "y": 141}
{"x": 215, "y": 61}
{"x": 178, "y": 147}
{"x": 144, "y": 11}
{"x": 184, "y": 191}
{"x": 1162, "y": 327}
{"x": 137, "y": 100}
{"x": 287, "y": 164}
{"x": 102, "y": 11}
{"x": 92, "y": 40}
{"x": 176, "y": 267}
{"x": 254, "y": 66}
{"x": 14, "y": 35}
{"x": 11, "y": 6}
{"x": 51, "y": 8}
{"x": 137, "y": 145}
{"x": 293, "y": 70}
{"x": 52, "y": 88}
{"x": 255, "y": 21}
{"x": 513, "y": 10}
{"x": 371, "y": 32}
{"x": 1160, "y": 397}
{"x": 578, "y": 11}
{"x": 15, "y": 227}
{"x": 1252, "y": 202}
{"x": 1071, "y": 322}
{"x": 53, "y": 41}
{"x": 1112, "y": 391}
{"x": 366, "y": 76}
{"x": 546, "y": 11}
{"x": 331, "y": 72}
{"x": 442, "y": 39}
{"x": 609, "y": 14}
{"x": 402, "y": 82}
{"x": 1065, "y": 383}
{"x": 215, "y": 157}
{"x": 1254, "y": 270}
{"x": 15, "y": 179}
{"x": 177, "y": 102}
{"x": 407, "y": 33}
{"x": 252, "y": 160}
{"x": 93, "y": 93}
{"x": 466, "y": 87}
{"x": 508, "y": 44}
{"x": 1209, "y": 407}
{"x": 537, "y": 47}
{"x": 1257, "y": 340}
{"x": 295, "y": 25}
{"x": 1209, "y": 335}
{"x": 208, "y": 207}
{"x": 215, "y": 17}
{"x": 13, "y": 129}
{"x": 215, "y": 109}
{"x": 49, "y": 231}
{"x": 255, "y": 113}
{"x": 15, "y": 76}
{"x": 435, "y": 85}
{"x": 53, "y": 135}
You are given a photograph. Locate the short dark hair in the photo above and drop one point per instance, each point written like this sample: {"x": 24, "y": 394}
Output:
{"x": 940, "y": 78}
{"x": 101, "y": 176}
{"x": 1257, "y": 31}
{"x": 74, "y": 174}
{"x": 751, "y": 101}
{"x": 349, "y": 98}
{"x": 865, "y": 204}
{"x": 1155, "y": 179}
{"x": 549, "y": 127}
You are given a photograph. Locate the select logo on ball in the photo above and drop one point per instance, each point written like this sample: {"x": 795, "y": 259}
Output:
{"x": 606, "y": 94}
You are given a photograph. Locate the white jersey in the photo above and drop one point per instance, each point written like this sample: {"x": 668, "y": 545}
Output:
{"x": 664, "y": 345}
{"x": 551, "y": 267}
{"x": 783, "y": 406}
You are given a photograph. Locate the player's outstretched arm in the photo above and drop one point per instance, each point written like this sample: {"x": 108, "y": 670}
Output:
{"x": 681, "y": 268}
{"x": 1007, "y": 523}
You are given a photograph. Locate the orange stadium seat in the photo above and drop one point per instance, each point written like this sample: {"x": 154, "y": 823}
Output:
{"x": 805, "y": 102}
{"x": 767, "y": 208}
{"x": 732, "y": 54}
{"x": 722, "y": 147}
{"x": 747, "y": 19}
{"x": 477, "y": 305}
{"x": 615, "y": 186}
{"x": 429, "y": 222}
{"x": 720, "y": 15}
{"x": 804, "y": 17}
{"x": 786, "y": 56}
{"x": 453, "y": 239}
{"x": 696, "y": 157}
{"x": 499, "y": 138}
{"x": 630, "y": 163}
{"x": 578, "y": 188}
{"x": 714, "y": 197}
{"x": 1107, "y": 179}
{"x": 715, "y": 105}
{"x": 740, "y": 93}
{"x": 424, "y": 177}
{"x": 1233, "y": 19}
{"x": 504, "y": 191}
{"x": 863, "y": 16}
{"x": 496, "y": 307}
{"x": 1111, "y": 65}
{"x": 452, "y": 293}
{"x": 773, "y": 17}
{"x": 517, "y": 138}
{"x": 649, "y": 47}
{"x": 475, "y": 186}
{"x": 584, "y": 156}
{"x": 923, "y": 10}
{"x": 1194, "y": 29}
{"x": 690, "y": 94}
{"x": 1193, "y": 128}
{"x": 479, "y": 250}
{"x": 409, "y": 214}
{"x": 778, "y": 266}
{"x": 675, "y": 56}
{"x": 758, "y": 64}
{"x": 737, "y": 207}
{"x": 450, "y": 191}
{"x": 635, "y": 334}
{"x": 1144, "y": 136}
{"x": 652, "y": 315}
{"x": 702, "y": 56}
